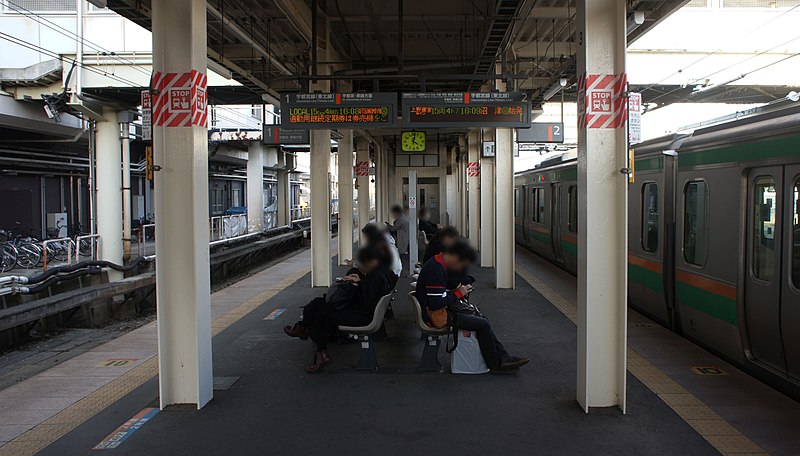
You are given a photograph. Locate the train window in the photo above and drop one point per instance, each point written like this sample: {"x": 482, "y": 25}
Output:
{"x": 796, "y": 235}
{"x": 516, "y": 202}
{"x": 537, "y": 197}
{"x": 650, "y": 217}
{"x": 695, "y": 223}
{"x": 572, "y": 196}
{"x": 764, "y": 205}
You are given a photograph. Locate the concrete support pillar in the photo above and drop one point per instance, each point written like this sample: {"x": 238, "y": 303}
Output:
{"x": 346, "y": 196}
{"x": 109, "y": 184}
{"x": 473, "y": 190}
{"x": 602, "y": 204}
{"x": 463, "y": 204}
{"x": 256, "y": 158}
{"x": 284, "y": 191}
{"x": 363, "y": 182}
{"x": 126, "y": 192}
{"x": 320, "y": 208}
{"x": 181, "y": 192}
{"x": 487, "y": 243}
{"x": 504, "y": 208}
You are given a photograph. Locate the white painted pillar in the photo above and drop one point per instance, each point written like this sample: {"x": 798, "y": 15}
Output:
{"x": 487, "y": 242}
{"x": 126, "y": 192}
{"x": 346, "y": 196}
{"x": 504, "y": 208}
{"x": 362, "y": 156}
{"x": 109, "y": 185}
{"x": 284, "y": 190}
{"x": 320, "y": 208}
{"x": 473, "y": 184}
{"x": 413, "y": 222}
{"x": 602, "y": 209}
{"x": 181, "y": 192}
{"x": 381, "y": 186}
{"x": 463, "y": 202}
{"x": 256, "y": 156}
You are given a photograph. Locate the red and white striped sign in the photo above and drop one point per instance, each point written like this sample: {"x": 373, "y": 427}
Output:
{"x": 473, "y": 169}
{"x": 180, "y": 99}
{"x": 362, "y": 169}
{"x": 601, "y": 102}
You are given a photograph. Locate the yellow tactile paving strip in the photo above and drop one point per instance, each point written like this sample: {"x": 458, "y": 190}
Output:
{"x": 721, "y": 435}
{"x": 52, "y": 429}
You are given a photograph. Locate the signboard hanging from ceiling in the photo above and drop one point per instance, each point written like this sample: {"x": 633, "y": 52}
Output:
{"x": 275, "y": 135}
{"x": 466, "y": 109}
{"x": 634, "y": 117}
{"x": 552, "y": 132}
{"x": 309, "y": 111}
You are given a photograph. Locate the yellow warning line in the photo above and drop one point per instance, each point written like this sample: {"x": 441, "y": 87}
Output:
{"x": 57, "y": 426}
{"x": 718, "y": 432}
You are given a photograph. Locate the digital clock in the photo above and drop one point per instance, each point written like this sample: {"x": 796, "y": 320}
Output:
{"x": 413, "y": 141}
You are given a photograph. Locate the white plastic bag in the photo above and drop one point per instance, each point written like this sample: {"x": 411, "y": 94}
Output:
{"x": 467, "y": 358}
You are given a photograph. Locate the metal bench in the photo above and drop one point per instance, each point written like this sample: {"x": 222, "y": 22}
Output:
{"x": 368, "y": 359}
{"x": 433, "y": 338}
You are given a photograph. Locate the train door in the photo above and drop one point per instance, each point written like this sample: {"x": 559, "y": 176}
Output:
{"x": 762, "y": 296}
{"x": 524, "y": 210}
{"x": 555, "y": 221}
{"x": 790, "y": 289}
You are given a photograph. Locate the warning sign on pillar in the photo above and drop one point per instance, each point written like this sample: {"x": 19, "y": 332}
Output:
{"x": 180, "y": 99}
{"x": 601, "y": 100}
{"x": 147, "y": 115}
{"x": 473, "y": 169}
{"x": 362, "y": 169}
{"x": 412, "y": 202}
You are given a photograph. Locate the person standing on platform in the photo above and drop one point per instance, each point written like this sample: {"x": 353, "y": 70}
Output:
{"x": 399, "y": 229}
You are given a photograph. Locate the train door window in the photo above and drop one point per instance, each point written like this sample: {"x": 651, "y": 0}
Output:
{"x": 650, "y": 217}
{"x": 695, "y": 223}
{"x": 796, "y": 235}
{"x": 516, "y": 202}
{"x": 764, "y": 206}
{"x": 572, "y": 197}
{"x": 537, "y": 195}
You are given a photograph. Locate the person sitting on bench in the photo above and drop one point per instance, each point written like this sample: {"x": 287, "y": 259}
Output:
{"x": 438, "y": 303}
{"x": 350, "y": 302}
{"x": 384, "y": 242}
{"x": 440, "y": 241}
{"x": 425, "y": 224}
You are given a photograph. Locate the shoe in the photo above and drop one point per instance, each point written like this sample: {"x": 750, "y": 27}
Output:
{"x": 514, "y": 362}
{"x": 296, "y": 331}
{"x": 321, "y": 359}
{"x": 503, "y": 370}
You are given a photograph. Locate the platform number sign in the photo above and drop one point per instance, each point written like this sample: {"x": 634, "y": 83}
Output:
{"x": 117, "y": 362}
{"x": 708, "y": 370}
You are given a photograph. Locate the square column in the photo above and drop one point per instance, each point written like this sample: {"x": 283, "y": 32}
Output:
{"x": 346, "y": 196}
{"x": 602, "y": 204}
{"x": 473, "y": 187}
{"x": 487, "y": 243}
{"x": 255, "y": 186}
{"x": 504, "y": 208}
{"x": 362, "y": 160}
{"x": 320, "y": 208}
{"x": 109, "y": 187}
{"x": 180, "y": 142}
{"x": 284, "y": 190}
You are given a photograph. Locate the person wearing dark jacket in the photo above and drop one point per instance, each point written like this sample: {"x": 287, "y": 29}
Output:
{"x": 436, "y": 297}
{"x": 370, "y": 281}
{"x": 425, "y": 224}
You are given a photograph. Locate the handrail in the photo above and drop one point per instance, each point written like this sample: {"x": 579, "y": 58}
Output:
{"x": 50, "y": 241}
{"x": 78, "y": 239}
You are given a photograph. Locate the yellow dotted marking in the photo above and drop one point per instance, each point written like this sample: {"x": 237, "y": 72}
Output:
{"x": 718, "y": 432}
{"x": 59, "y": 425}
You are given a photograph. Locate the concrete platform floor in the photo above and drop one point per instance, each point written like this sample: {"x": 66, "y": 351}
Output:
{"x": 276, "y": 408}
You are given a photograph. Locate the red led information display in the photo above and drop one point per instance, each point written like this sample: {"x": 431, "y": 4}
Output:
{"x": 307, "y": 111}
{"x": 462, "y": 109}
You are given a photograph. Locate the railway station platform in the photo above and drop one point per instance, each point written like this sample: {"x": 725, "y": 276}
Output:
{"x": 265, "y": 401}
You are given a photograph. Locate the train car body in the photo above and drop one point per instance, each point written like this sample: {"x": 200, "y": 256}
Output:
{"x": 713, "y": 236}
